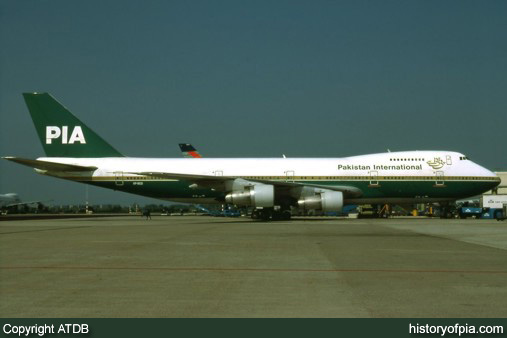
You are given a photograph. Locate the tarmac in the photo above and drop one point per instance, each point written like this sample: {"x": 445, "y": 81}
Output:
{"x": 201, "y": 266}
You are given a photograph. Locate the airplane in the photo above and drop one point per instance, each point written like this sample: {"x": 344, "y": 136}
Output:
{"x": 11, "y": 200}
{"x": 272, "y": 186}
{"x": 188, "y": 150}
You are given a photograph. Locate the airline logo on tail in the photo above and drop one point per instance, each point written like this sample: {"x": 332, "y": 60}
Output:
{"x": 188, "y": 150}
{"x": 54, "y": 132}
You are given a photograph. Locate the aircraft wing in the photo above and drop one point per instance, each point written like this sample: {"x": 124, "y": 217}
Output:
{"x": 50, "y": 166}
{"x": 212, "y": 181}
{"x": 185, "y": 177}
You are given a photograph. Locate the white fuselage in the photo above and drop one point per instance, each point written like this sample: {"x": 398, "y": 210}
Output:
{"x": 394, "y": 177}
{"x": 412, "y": 163}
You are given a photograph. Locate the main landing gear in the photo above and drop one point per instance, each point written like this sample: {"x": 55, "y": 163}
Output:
{"x": 270, "y": 214}
{"x": 446, "y": 211}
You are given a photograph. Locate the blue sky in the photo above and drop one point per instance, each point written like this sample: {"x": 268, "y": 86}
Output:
{"x": 255, "y": 78}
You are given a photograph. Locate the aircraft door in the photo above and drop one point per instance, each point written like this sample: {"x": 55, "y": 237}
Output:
{"x": 374, "y": 178}
{"x": 118, "y": 178}
{"x": 289, "y": 176}
{"x": 439, "y": 178}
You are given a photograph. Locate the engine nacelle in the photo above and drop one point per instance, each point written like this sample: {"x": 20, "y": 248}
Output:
{"x": 325, "y": 200}
{"x": 256, "y": 195}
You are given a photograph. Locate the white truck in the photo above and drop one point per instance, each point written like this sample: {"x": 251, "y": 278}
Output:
{"x": 495, "y": 205}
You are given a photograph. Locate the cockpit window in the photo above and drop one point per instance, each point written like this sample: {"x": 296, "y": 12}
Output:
{"x": 463, "y": 158}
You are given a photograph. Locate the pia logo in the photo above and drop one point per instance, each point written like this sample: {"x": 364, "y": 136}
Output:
{"x": 54, "y": 132}
{"x": 437, "y": 163}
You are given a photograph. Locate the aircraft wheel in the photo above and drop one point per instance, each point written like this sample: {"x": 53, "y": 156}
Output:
{"x": 286, "y": 215}
{"x": 265, "y": 214}
{"x": 276, "y": 216}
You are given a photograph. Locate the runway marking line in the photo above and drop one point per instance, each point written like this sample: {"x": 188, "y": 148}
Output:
{"x": 246, "y": 269}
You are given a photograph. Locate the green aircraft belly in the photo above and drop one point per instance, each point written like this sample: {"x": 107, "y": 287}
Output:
{"x": 402, "y": 189}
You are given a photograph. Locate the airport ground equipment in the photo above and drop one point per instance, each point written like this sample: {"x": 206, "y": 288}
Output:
{"x": 503, "y": 217}
{"x": 484, "y": 213}
{"x": 475, "y": 212}
{"x": 495, "y": 205}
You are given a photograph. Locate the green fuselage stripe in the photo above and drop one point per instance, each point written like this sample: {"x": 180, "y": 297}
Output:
{"x": 301, "y": 179}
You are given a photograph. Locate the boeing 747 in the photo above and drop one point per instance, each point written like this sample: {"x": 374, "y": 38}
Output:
{"x": 271, "y": 185}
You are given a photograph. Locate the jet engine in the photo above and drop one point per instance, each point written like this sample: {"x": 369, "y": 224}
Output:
{"x": 254, "y": 194}
{"x": 325, "y": 200}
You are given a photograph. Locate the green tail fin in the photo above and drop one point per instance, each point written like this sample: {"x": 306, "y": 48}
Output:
{"x": 61, "y": 133}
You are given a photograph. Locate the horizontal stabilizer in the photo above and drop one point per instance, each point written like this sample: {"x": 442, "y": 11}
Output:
{"x": 49, "y": 166}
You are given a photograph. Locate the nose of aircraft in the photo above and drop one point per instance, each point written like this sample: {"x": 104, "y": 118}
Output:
{"x": 490, "y": 178}
{"x": 489, "y": 173}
